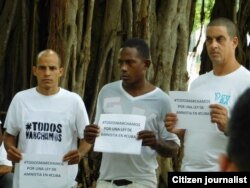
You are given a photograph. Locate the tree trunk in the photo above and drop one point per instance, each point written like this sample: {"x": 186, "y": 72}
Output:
{"x": 243, "y": 20}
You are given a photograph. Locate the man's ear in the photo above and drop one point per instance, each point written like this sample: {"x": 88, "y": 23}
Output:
{"x": 61, "y": 71}
{"x": 226, "y": 165}
{"x": 34, "y": 70}
{"x": 235, "y": 41}
{"x": 147, "y": 63}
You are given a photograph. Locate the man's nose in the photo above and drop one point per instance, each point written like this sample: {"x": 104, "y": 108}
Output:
{"x": 214, "y": 44}
{"x": 47, "y": 71}
{"x": 123, "y": 66}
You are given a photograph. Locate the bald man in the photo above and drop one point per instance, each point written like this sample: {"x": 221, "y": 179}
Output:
{"x": 47, "y": 119}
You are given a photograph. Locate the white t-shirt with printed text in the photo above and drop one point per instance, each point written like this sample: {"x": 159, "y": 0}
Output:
{"x": 47, "y": 124}
{"x": 202, "y": 149}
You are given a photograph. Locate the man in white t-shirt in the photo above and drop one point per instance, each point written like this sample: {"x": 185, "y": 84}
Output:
{"x": 134, "y": 94}
{"x": 47, "y": 119}
{"x": 227, "y": 81}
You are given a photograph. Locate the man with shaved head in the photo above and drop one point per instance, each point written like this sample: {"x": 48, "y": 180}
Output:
{"x": 47, "y": 119}
{"x": 226, "y": 82}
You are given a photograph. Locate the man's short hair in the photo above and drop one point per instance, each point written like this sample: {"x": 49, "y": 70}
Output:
{"x": 231, "y": 27}
{"x": 141, "y": 46}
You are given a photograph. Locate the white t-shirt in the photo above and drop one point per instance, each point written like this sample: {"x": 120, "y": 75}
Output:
{"x": 3, "y": 156}
{"x": 154, "y": 105}
{"x": 47, "y": 124}
{"x": 202, "y": 149}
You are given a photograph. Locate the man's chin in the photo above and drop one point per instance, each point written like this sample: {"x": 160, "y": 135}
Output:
{"x": 125, "y": 81}
{"x": 47, "y": 86}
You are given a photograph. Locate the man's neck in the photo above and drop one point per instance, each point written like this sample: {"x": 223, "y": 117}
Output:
{"x": 139, "y": 89}
{"x": 47, "y": 92}
{"x": 224, "y": 69}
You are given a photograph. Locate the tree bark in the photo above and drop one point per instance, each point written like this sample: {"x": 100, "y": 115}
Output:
{"x": 6, "y": 20}
{"x": 243, "y": 21}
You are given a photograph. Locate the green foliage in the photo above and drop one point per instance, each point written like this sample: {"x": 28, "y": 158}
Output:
{"x": 208, "y": 5}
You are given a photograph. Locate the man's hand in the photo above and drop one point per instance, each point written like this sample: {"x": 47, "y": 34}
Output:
{"x": 72, "y": 157}
{"x": 219, "y": 115}
{"x": 90, "y": 133}
{"x": 148, "y": 138}
{"x": 13, "y": 154}
{"x": 170, "y": 124}
{"x": 165, "y": 148}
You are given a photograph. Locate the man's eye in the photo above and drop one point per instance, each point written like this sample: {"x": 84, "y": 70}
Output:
{"x": 220, "y": 39}
{"x": 208, "y": 40}
{"x": 41, "y": 68}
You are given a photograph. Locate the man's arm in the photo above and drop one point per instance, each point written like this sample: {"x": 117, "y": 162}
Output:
{"x": 84, "y": 147}
{"x": 4, "y": 169}
{"x": 13, "y": 154}
{"x": 166, "y": 148}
